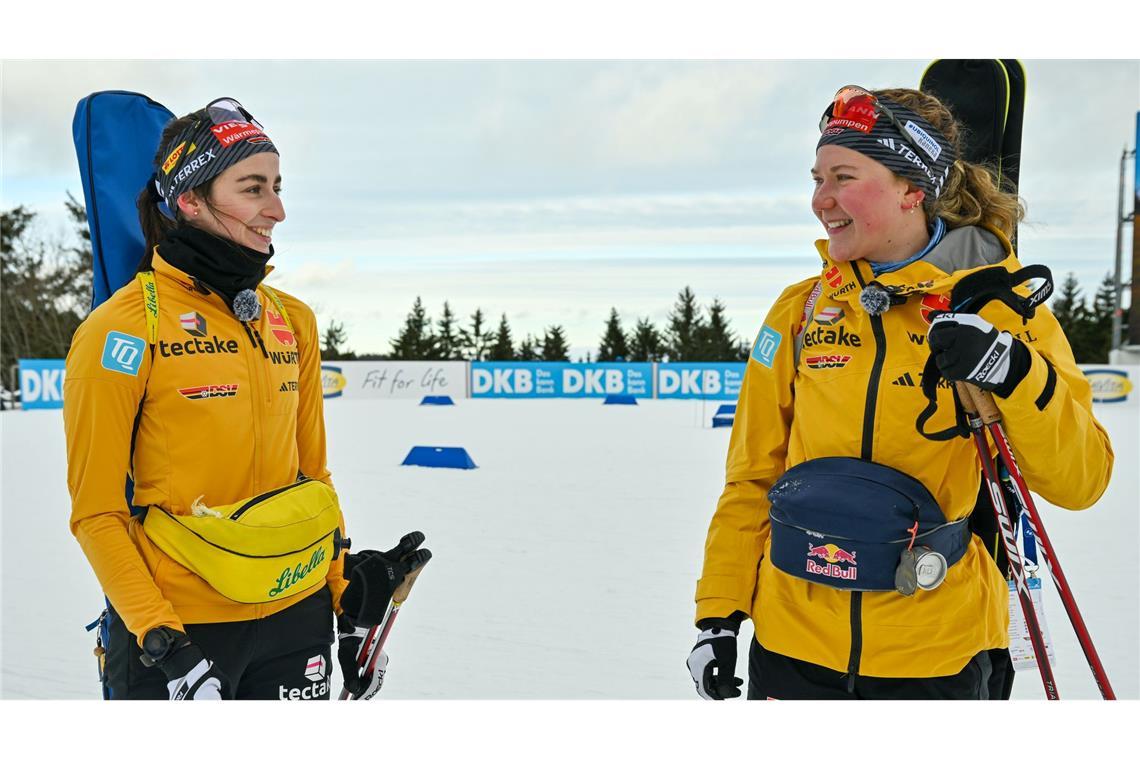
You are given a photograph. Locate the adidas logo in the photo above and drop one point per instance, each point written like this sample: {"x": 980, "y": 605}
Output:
{"x": 905, "y": 379}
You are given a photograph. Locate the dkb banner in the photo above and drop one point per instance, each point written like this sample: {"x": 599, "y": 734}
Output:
{"x": 711, "y": 380}
{"x": 560, "y": 379}
{"x": 41, "y": 383}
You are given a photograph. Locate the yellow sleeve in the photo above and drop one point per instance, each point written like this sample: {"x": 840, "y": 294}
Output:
{"x": 311, "y": 446}
{"x": 99, "y": 410}
{"x": 1062, "y": 450}
{"x": 757, "y": 453}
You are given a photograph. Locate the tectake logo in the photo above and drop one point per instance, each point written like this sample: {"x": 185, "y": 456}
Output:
{"x": 123, "y": 353}
{"x": 829, "y": 316}
{"x": 193, "y": 323}
{"x": 315, "y": 668}
{"x": 316, "y": 671}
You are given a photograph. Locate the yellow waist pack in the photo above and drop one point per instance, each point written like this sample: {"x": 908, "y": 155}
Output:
{"x": 262, "y": 549}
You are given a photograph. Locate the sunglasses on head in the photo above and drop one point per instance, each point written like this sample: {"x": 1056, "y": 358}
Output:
{"x": 855, "y": 107}
{"x": 225, "y": 110}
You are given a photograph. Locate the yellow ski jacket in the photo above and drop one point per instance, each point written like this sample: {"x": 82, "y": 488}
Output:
{"x": 856, "y": 392}
{"x": 216, "y": 410}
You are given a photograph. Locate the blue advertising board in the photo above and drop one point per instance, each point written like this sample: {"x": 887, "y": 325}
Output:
{"x": 560, "y": 379}
{"x": 41, "y": 383}
{"x": 707, "y": 380}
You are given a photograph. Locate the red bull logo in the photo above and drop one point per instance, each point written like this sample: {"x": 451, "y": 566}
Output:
{"x": 835, "y": 557}
{"x": 280, "y": 329}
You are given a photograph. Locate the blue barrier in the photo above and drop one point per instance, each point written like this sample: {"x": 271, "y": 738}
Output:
{"x": 621, "y": 399}
{"x": 439, "y": 456}
{"x": 560, "y": 379}
{"x": 41, "y": 383}
{"x": 729, "y": 409}
{"x": 707, "y": 380}
{"x": 437, "y": 401}
{"x": 722, "y": 420}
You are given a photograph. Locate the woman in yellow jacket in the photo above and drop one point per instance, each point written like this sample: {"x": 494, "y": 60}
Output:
{"x": 825, "y": 434}
{"x": 203, "y": 385}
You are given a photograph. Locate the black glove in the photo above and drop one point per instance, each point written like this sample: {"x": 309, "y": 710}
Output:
{"x": 373, "y": 576}
{"x": 712, "y": 663}
{"x": 968, "y": 348}
{"x": 350, "y": 640}
{"x": 189, "y": 675}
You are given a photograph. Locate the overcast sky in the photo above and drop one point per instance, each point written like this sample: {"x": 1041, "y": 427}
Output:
{"x": 552, "y": 191}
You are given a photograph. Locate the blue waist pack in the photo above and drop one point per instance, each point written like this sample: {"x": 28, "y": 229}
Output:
{"x": 845, "y": 522}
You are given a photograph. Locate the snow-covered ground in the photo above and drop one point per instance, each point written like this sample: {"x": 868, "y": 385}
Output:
{"x": 564, "y": 566}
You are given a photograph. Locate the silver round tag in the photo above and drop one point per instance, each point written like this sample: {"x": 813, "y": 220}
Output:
{"x": 930, "y": 567}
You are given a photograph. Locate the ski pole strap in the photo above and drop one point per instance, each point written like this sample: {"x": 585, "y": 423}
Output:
{"x": 979, "y": 288}
{"x": 931, "y": 379}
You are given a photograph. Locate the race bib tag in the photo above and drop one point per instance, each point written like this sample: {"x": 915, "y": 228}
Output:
{"x": 1020, "y": 646}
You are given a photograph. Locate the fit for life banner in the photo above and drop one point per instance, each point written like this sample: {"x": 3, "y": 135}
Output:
{"x": 41, "y": 383}
{"x": 356, "y": 380}
{"x": 561, "y": 379}
{"x": 710, "y": 380}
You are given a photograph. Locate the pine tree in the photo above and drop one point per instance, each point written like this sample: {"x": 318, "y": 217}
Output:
{"x": 1070, "y": 310}
{"x": 529, "y": 350}
{"x": 1100, "y": 322}
{"x": 502, "y": 350}
{"x": 645, "y": 343}
{"x": 682, "y": 335}
{"x": 447, "y": 346}
{"x": 416, "y": 340}
{"x": 716, "y": 341}
{"x": 554, "y": 348}
{"x": 332, "y": 339}
{"x": 613, "y": 347}
{"x": 475, "y": 341}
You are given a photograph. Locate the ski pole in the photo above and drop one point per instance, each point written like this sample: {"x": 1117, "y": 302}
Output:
{"x": 991, "y": 417}
{"x": 1005, "y": 522}
{"x": 378, "y": 634}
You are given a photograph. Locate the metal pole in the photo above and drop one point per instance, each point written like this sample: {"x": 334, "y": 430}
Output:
{"x": 1117, "y": 312}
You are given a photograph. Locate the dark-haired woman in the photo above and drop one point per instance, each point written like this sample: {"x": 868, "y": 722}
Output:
{"x": 805, "y": 537}
{"x": 203, "y": 385}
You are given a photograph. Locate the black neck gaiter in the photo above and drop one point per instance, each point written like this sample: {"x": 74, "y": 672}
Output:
{"x": 221, "y": 265}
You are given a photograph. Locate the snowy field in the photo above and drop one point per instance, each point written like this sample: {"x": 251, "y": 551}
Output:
{"x": 564, "y": 566}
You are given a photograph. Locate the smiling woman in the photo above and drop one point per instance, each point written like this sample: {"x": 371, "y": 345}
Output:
{"x": 843, "y": 531}
{"x": 203, "y": 384}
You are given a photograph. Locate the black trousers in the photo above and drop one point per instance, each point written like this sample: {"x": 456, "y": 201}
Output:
{"x": 284, "y": 656}
{"x": 989, "y": 675}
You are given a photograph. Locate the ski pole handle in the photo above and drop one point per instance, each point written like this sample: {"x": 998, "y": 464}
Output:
{"x": 400, "y": 595}
{"x": 978, "y": 401}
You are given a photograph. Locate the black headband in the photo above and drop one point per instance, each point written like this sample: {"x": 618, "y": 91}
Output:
{"x": 908, "y": 144}
{"x": 205, "y": 149}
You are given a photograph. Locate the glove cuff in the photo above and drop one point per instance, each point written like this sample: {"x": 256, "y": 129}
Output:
{"x": 731, "y": 623}
{"x": 1019, "y": 363}
{"x": 181, "y": 661}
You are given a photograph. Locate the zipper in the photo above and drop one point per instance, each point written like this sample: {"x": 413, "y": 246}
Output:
{"x": 856, "y": 639}
{"x": 876, "y": 375}
{"x": 262, "y": 497}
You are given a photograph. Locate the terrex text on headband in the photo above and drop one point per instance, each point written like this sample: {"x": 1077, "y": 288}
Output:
{"x": 208, "y": 147}
{"x": 889, "y": 133}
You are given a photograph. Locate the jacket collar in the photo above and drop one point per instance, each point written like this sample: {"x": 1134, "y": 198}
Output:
{"x": 960, "y": 252}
